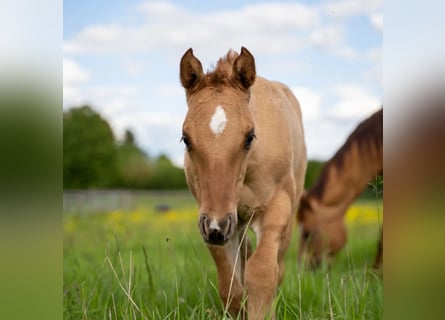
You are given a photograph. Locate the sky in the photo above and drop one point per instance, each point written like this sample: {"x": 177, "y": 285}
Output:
{"x": 122, "y": 58}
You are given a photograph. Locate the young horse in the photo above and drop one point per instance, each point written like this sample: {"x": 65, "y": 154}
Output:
{"x": 342, "y": 180}
{"x": 245, "y": 162}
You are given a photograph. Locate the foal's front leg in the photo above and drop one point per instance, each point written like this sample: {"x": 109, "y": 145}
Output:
{"x": 265, "y": 267}
{"x": 230, "y": 271}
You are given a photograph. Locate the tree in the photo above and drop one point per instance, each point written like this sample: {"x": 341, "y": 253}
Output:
{"x": 133, "y": 165}
{"x": 92, "y": 158}
{"x": 167, "y": 176}
{"x": 89, "y": 150}
{"x": 129, "y": 138}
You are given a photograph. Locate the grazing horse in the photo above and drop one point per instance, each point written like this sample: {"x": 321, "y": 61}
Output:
{"x": 341, "y": 181}
{"x": 245, "y": 162}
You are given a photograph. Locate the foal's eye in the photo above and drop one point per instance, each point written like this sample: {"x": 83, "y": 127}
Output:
{"x": 186, "y": 141}
{"x": 249, "y": 139}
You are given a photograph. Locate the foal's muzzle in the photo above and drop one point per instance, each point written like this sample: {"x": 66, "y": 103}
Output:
{"x": 217, "y": 232}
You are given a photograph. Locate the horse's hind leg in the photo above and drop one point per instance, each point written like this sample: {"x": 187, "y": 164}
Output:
{"x": 263, "y": 268}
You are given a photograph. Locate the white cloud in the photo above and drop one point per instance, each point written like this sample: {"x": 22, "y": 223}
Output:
{"x": 74, "y": 76}
{"x": 348, "y": 8}
{"x": 262, "y": 27}
{"x": 376, "y": 20}
{"x": 114, "y": 101}
{"x": 103, "y": 92}
{"x": 325, "y": 136}
{"x": 73, "y": 73}
{"x": 134, "y": 67}
{"x": 345, "y": 51}
{"x": 354, "y": 102}
{"x": 160, "y": 10}
{"x": 95, "y": 38}
{"x": 72, "y": 96}
{"x": 282, "y": 15}
{"x": 168, "y": 25}
{"x": 330, "y": 114}
{"x": 170, "y": 91}
{"x": 108, "y": 100}
{"x": 326, "y": 36}
{"x": 375, "y": 54}
{"x": 331, "y": 38}
{"x": 309, "y": 102}
{"x": 375, "y": 73}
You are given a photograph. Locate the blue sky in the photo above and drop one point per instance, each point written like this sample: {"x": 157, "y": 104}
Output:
{"x": 122, "y": 57}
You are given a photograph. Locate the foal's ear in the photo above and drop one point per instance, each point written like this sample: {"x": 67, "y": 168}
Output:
{"x": 243, "y": 70}
{"x": 190, "y": 70}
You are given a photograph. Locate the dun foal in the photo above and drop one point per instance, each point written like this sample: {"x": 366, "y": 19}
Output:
{"x": 342, "y": 180}
{"x": 245, "y": 163}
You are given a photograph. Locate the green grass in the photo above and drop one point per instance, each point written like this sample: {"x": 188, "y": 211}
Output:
{"x": 146, "y": 265}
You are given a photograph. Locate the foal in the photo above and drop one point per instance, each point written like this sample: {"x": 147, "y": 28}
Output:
{"x": 245, "y": 163}
{"x": 342, "y": 180}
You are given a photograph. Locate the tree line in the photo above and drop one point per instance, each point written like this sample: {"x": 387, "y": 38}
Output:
{"x": 94, "y": 158}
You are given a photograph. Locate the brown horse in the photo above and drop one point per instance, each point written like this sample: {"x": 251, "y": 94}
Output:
{"x": 245, "y": 162}
{"x": 342, "y": 180}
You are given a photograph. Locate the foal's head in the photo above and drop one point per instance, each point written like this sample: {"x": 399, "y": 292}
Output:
{"x": 323, "y": 232}
{"x": 219, "y": 134}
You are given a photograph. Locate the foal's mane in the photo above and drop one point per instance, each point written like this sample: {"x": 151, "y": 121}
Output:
{"x": 367, "y": 136}
{"x": 220, "y": 75}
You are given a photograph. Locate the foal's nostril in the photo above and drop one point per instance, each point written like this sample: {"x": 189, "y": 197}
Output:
{"x": 202, "y": 226}
{"x": 229, "y": 227}
{"x": 202, "y": 219}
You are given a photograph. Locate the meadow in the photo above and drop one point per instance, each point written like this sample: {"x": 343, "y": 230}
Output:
{"x": 146, "y": 264}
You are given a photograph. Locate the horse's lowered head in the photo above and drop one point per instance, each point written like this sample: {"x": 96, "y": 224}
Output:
{"x": 323, "y": 232}
{"x": 219, "y": 135}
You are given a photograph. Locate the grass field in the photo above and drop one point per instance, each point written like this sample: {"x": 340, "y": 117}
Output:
{"x": 143, "y": 264}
